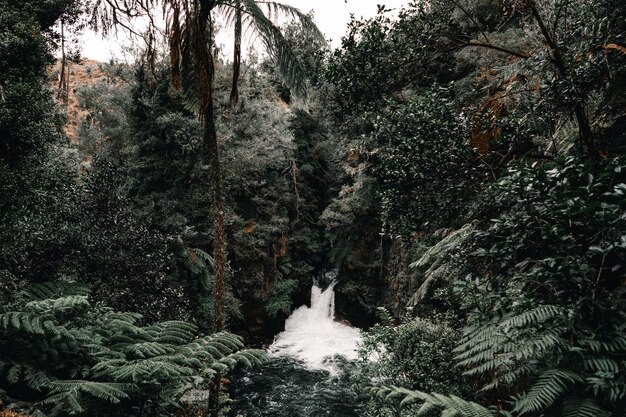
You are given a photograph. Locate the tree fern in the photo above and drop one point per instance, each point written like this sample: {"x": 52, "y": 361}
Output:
{"x": 71, "y": 393}
{"x": 582, "y": 408}
{"x": 448, "y": 406}
{"x": 54, "y": 289}
{"x": 435, "y": 256}
{"x": 550, "y": 386}
{"x": 79, "y": 357}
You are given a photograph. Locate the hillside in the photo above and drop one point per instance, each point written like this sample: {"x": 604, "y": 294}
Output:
{"x": 86, "y": 72}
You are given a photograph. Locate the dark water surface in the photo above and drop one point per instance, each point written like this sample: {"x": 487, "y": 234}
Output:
{"x": 284, "y": 387}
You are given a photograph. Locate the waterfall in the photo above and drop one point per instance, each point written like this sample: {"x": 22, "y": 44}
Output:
{"x": 312, "y": 335}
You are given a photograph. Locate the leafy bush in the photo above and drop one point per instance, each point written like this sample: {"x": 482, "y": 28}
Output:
{"x": 426, "y": 169}
{"x": 415, "y": 355}
{"x": 544, "y": 295}
{"x": 547, "y": 319}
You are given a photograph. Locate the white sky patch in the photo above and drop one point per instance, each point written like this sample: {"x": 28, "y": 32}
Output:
{"x": 332, "y": 18}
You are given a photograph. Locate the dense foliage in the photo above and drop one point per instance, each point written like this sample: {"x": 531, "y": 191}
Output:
{"x": 459, "y": 163}
{"x": 485, "y": 140}
{"x": 63, "y": 355}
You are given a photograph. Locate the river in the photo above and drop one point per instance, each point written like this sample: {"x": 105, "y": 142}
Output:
{"x": 308, "y": 374}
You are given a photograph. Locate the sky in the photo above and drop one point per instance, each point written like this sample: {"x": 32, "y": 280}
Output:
{"x": 331, "y": 16}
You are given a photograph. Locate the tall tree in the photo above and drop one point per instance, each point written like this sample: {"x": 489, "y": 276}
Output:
{"x": 189, "y": 28}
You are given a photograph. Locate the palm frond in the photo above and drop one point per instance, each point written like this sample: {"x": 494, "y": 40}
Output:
{"x": 278, "y": 10}
{"x": 278, "y": 48}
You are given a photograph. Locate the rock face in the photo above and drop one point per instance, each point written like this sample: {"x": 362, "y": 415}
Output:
{"x": 349, "y": 308}
{"x": 258, "y": 328}
{"x": 85, "y": 72}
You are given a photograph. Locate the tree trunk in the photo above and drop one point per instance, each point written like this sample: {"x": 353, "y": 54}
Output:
{"x": 584, "y": 128}
{"x": 234, "y": 92}
{"x": 211, "y": 158}
{"x": 62, "y": 81}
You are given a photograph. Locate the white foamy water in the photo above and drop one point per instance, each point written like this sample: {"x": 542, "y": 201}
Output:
{"x": 312, "y": 335}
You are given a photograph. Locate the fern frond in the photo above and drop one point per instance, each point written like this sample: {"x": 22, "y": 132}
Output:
{"x": 549, "y": 387}
{"x": 510, "y": 377}
{"x": 582, "y": 408}
{"x": 138, "y": 371}
{"x": 617, "y": 344}
{"x": 448, "y": 405}
{"x": 475, "y": 335}
{"x": 14, "y": 374}
{"x": 247, "y": 358}
{"x": 148, "y": 349}
{"x": 29, "y": 323}
{"x": 45, "y": 290}
{"x": 450, "y": 241}
{"x": 58, "y": 305}
{"x": 197, "y": 260}
{"x": 176, "y": 332}
{"x": 278, "y": 48}
{"x": 34, "y": 378}
{"x": 70, "y": 392}
{"x": 536, "y": 315}
{"x": 602, "y": 365}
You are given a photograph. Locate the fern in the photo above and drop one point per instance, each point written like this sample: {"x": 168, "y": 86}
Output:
{"x": 172, "y": 332}
{"x": 137, "y": 371}
{"x": 71, "y": 393}
{"x": 58, "y": 305}
{"x": 145, "y": 350}
{"x": 447, "y": 405}
{"x": 601, "y": 364}
{"x": 536, "y": 315}
{"x": 550, "y": 386}
{"x": 17, "y": 373}
{"x": 55, "y": 289}
{"x": 495, "y": 345}
{"x": 197, "y": 260}
{"x": 582, "y": 408}
{"x": 435, "y": 256}
{"x": 30, "y": 323}
{"x": 75, "y": 366}
{"x": 247, "y": 358}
